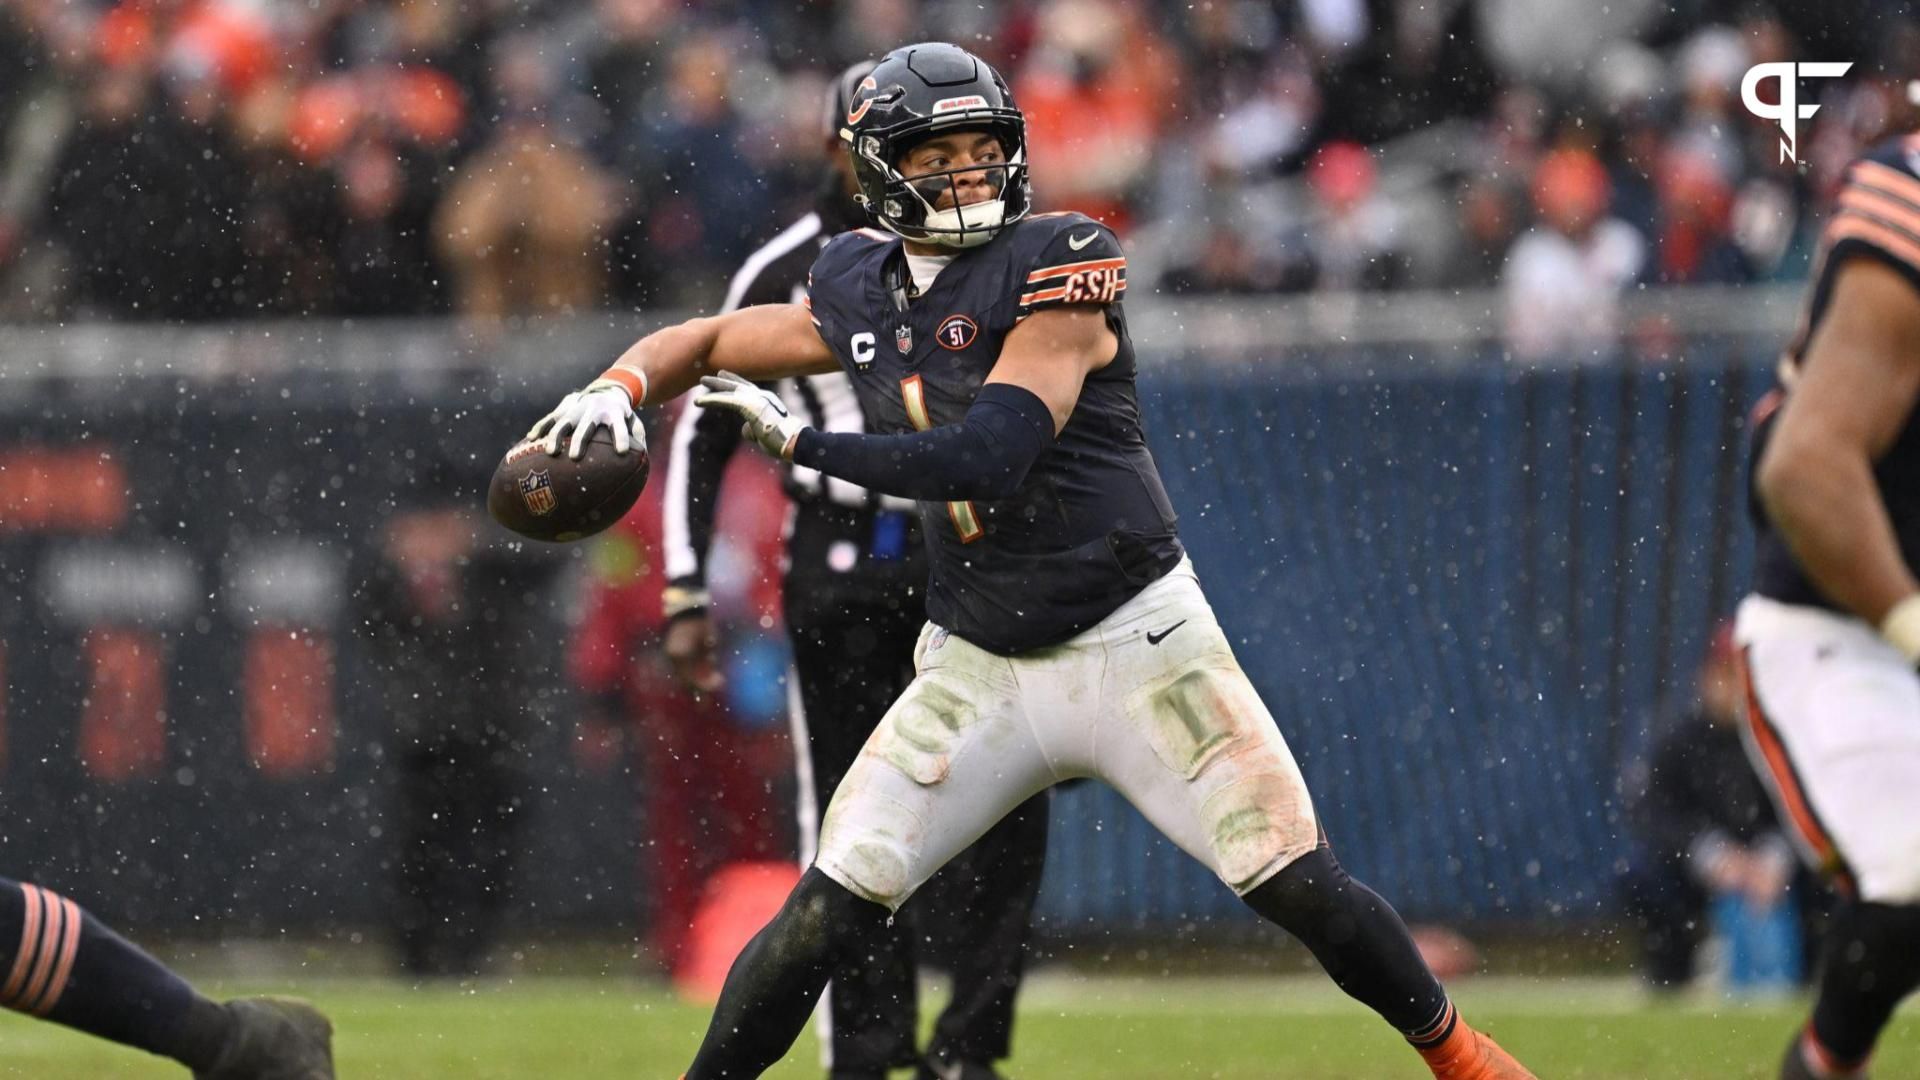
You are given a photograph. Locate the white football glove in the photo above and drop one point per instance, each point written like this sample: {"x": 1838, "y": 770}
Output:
{"x": 767, "y": 420}
{"x": 601, "y": 404}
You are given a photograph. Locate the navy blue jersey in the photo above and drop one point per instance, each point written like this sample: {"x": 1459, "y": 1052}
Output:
{"x": 1877, "y": 217}
{"x": 1091, "y": 525}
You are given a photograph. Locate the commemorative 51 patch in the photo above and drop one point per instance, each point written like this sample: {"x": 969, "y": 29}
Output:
{"x": 956, "y": 332}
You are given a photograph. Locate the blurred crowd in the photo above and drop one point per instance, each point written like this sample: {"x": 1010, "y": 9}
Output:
{"x": 214, "y": 159}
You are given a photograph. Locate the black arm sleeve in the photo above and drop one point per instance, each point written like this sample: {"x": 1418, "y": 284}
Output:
{"x": 984, "y": 456}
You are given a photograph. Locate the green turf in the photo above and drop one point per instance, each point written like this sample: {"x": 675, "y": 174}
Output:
{"x": 1071, "y": 1027}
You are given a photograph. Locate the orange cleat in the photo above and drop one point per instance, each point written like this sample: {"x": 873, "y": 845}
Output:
{"x": 1469, "y": 1055}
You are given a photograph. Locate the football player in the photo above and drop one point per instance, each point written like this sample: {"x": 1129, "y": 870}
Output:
{"x": 1067, "y": 634}
{"x": 59, "y": 962}
{"x": 1831, "y": 630}
{"x": 854, "y": 598}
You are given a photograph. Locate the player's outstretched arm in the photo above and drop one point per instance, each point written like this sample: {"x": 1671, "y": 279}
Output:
{"x": 767, "y": 341}
{"x": 1026, "y": 401}
{"x": 1855, "y": 390}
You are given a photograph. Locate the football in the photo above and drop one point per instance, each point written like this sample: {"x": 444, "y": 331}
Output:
{"x": 556, "y": 498}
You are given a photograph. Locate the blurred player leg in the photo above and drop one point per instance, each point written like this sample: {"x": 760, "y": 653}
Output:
{"x": 1198, "y": 754}
{"x": 1831, "y": 727}
{"x": 1869, "y": 962}
{"x": 951, "y": 758}
{"x": 981, "y": 903}
{"x": 871, "y": 1005}
{"x": 60, "y": 963}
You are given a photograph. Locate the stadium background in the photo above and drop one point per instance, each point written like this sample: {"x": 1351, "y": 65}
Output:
{"x": 1468, "y": 507}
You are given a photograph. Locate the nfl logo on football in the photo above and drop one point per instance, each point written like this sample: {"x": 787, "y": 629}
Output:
{"x": 537, "y": 489}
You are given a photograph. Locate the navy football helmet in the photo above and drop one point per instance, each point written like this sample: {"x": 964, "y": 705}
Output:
{"x": 915, "y": 93}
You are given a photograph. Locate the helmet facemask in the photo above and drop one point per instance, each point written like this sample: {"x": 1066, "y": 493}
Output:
{"x": 909, "y": 206}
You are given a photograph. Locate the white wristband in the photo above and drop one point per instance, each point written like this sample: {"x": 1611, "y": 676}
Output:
{"x": 1901, "y": 627}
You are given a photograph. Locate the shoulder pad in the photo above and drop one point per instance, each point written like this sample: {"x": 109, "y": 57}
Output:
{"x": 1878, "y": 209}
{"x": 1067, "y": 259}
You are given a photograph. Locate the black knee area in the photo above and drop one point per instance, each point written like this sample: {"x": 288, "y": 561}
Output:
{"x": 1312, "y": 899}
{"x": 1871, "y": 960}
{"x": 1357, "y": 937}
{"x": 821, "y": 918}
{"x": 777, "y": 978}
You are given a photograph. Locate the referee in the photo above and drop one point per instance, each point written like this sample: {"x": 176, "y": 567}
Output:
{"x": 854, "y": 597}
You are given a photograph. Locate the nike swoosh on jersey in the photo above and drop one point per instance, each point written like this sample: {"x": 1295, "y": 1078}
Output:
{"x": 1078, "y": 242}
{"x": 1155, "y": 639}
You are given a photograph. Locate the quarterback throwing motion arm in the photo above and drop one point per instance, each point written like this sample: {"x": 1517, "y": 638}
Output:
{"x": 762, "y": 343}
{"x": 1024, "y": 404}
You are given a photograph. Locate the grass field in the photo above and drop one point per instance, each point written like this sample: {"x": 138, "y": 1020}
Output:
{"x": 1072, "y": 1028}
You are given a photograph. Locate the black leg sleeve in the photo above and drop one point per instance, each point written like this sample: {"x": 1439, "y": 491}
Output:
{"x": 1357, "y": 937}
{"x": 59, "y": 962}
{"x": 777, "y": 978}
{"x": 1871, "y": 961}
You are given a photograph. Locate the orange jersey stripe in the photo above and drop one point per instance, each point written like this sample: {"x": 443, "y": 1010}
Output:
{"x": 1058, "y": 291}
{"x": 69, "y": 945}
{"x": 1852, "y": 225}
{"x": 1907, "y": 199}
{"x": 43, "y": 962}
{"x": 1884, "y": 208}
{"x": 1787, "y": 783}
{"x": 29, "y": 942}
{"x": 1887, "y": 179}
{"x": 1064, "y": 269}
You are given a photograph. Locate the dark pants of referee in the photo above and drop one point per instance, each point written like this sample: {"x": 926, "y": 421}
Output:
{"x": 854, "y": 619}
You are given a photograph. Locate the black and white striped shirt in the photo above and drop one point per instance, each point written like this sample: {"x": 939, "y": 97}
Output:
{"x": 703, "y": 441}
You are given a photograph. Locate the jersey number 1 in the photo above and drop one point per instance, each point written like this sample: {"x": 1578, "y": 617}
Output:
{"x": 965, "y": 521}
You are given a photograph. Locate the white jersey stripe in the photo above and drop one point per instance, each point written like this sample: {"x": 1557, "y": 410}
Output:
{"x": 808, "y": 810}
{"x": 676, "y": 537}
{"x": 800, "y": 232}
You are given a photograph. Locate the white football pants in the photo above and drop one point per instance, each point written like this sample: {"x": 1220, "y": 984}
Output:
{"x": 1834, "y": 727}
{"x": 1150, "y": 700}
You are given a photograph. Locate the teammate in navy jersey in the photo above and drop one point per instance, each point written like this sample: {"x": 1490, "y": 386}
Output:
{"x": 1831, "y": 630}
{"x": 59, "y": 962}
{"x": 1067, "y": 632}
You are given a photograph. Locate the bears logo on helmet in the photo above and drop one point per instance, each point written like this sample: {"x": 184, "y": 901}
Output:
{"x": 919, "y": 92}
{"x": 862, "y": 100}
